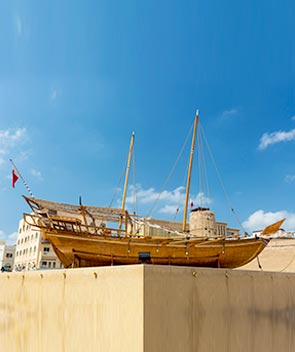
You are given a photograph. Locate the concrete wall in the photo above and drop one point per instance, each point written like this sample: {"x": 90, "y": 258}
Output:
{"x": 147, "y": 308}
{"x": 218, "y": 310}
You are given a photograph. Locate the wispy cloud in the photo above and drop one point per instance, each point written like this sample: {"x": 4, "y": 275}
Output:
{"x": 293, "y": 118}
{"x": 55, "y": 93}
{"x": 169, "y": 209}
{"x": 290, "y": 178}
{"x": 36, "y": 174}
{"x": 268, "y": 139}
{"x": 229, "y": 113}
{"x": 167, "y": 201}
{"x": 260, "y": 219}
{"x": 10, "y": 138}
{"x": 10, "y": 239}
{"x": 146, "y": 196}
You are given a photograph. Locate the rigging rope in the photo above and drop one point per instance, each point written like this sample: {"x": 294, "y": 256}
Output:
{"x": 171, "y": 173}
{"x": 290, "y": 262}
{"x": 284, "y": 268}
{"x": 259, "y": 265}
{"x": 222, "y": 184}
{"x": 135, "y": 205}
{"x": 200, "y": 167}
{"x": 118, "y": 185}
{"x": 202, "y": 172}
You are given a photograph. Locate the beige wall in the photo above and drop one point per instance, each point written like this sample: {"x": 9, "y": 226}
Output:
{"x": 218, "y": 310}
{"x": 46, "y": 311}
{"x": 147, "y": 308}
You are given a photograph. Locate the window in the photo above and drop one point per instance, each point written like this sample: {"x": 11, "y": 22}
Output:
{"x": 35, "y": 249}
{"x": 49, "y": 264}
{"x": 32, "y": 237}
{"x": 36, "y": 235}
{"x": 46, "y": 249}
{"x": 53, "y": 264}
{"x": 44, "y": 264}
{"x": 9, "y": 255}
{"x": 22, "y": 241}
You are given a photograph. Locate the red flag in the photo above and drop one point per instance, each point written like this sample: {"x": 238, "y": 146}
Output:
{"x": 192, "y": 204}
{"x": 14, "y": 177}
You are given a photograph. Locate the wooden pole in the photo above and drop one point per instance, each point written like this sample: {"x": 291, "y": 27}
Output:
{"x": 127, "y": 176}
{"x": 127, "y": 172}
{"x": 189, "y": 172}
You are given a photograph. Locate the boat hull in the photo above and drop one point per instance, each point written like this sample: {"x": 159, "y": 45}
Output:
{"x": 85, "y": 251}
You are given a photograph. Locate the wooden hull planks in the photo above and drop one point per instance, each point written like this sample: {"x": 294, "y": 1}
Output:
{"x": 82, "y": 251}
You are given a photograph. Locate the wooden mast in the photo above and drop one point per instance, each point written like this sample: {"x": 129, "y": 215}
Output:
{"x": 127, "y": 176}
{"x": 189, "y": 172}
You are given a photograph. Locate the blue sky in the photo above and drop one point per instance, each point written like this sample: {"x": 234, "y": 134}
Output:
{"x": 76, "y": 78}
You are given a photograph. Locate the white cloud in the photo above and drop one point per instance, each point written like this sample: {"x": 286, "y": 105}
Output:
{"x": 36, "y": 174}
{"x": 230, "y": 113}
{"x": 260, "y": 219}
{"x": 293, "y": 118}
{"x": 168, "y": 201}
{"x": 10, "y": 138}
{"x": 11, "y": 239}
{"x": 290, "y": 178}
{"x": 2, "y": 234}
{"x": 10, "y": 141}
{"x": 169, "y": 209}
{"x": 146, "y": 196}
{"x": 276, "y": 137}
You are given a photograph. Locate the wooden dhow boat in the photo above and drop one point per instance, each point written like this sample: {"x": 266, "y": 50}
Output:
{"x": 84, "y": 236}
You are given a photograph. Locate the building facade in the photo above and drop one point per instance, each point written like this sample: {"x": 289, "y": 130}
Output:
{"x": 33, "y": 251}
{"x": 7, "y": 254}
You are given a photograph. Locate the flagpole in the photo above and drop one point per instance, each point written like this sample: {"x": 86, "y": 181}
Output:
{"x": 23, "y": 180}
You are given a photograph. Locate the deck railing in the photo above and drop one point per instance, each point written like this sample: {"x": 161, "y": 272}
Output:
{"x": 71, "y": 225}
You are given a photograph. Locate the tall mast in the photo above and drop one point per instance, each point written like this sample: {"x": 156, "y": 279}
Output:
{"x": 189, "y": 172}
{"x": 126, "y": 180}
{"x": 127, "y": 171}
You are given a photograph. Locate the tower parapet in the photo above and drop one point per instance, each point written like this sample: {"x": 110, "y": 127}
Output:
{"x": 202, "y": 223}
